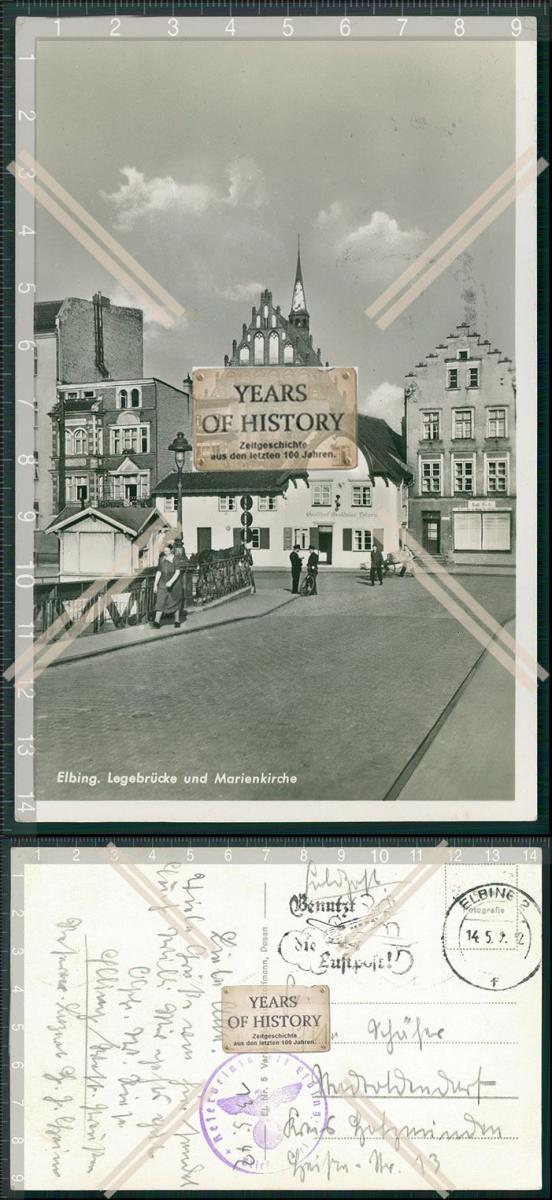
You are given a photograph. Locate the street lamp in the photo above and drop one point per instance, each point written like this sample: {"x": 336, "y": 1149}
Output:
{"x": 180, "y": 445}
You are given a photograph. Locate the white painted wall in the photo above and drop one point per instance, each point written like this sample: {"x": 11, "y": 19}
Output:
{"x": 296, "y": 510}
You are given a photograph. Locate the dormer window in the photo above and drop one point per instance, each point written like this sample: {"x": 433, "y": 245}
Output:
{"x": 463, "y": 354}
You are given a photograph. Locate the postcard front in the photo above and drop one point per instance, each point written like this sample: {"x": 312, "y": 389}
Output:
{"x": 276, "y": 540}
{"x": 143, "y": 1065}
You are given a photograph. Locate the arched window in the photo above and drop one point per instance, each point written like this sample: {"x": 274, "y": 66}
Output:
{"x": 135, "y": 398}
{"x": 123, "y": 398}
{"x": 68, "y": 441}
{"x": 258, "y": 321}
{"x": 273, "y": 348}
{"x": 259, "y": 348}
{"x": 288, "y": 352}
{"x": 244, "y": 354}
{"x": 80, "y": 441}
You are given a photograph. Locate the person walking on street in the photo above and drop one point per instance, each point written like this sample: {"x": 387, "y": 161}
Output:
{"x": 312, "y": 568}
{"x": 296, "y": 564}
{"x": 167, "y": 587}
{"x": 376, "y": 566}
{"x": 248, "y": 560}
{"x": 181, "y": 562}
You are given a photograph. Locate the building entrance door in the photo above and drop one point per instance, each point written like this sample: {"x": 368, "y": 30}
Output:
{"x": 325, "y": 543}
{"x": 431, "y": 532}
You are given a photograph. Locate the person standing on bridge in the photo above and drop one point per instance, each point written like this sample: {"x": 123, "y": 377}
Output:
{"x": 296, "y": 564}
{"x": 167, "y": 587}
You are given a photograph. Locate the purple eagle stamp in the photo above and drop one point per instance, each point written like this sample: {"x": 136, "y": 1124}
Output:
{"x": 263, "y": 1114}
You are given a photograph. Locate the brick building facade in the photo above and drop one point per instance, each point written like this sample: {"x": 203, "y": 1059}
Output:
{"x": 77, "y": 340}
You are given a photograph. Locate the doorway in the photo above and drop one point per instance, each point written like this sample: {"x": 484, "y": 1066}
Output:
{"x": 431, "y": 532}
{"x": 325, "y": 544}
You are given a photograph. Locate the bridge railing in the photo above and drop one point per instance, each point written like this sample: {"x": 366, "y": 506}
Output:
{"x": 209, "y": 576}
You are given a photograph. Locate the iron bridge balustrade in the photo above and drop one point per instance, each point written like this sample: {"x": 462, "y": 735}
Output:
{"x": 207, "y": 577}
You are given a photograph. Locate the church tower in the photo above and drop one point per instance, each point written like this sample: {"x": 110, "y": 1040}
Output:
{"x": 270, "y": 339}
{"x": 299, "y": 316}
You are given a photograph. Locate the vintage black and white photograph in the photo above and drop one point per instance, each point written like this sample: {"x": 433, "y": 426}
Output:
{"x": 246, "y": 627}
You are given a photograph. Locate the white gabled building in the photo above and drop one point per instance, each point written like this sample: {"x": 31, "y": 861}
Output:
{"x": 342, "y": 513}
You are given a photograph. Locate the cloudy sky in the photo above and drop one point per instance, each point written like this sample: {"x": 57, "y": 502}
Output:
{"x": 206, "y": 159}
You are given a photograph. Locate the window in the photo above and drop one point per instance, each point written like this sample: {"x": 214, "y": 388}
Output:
{"x": 267, "y": 503}
{"x": 497, "y": 475}
{"x": 274, "y": 348}
{"x": 259, "y": 348}
{"x": 244, "y": 354}
{"x": 496, "y": 422}
{"x": 73, "y": 488}
{"x": 362, "y": 495}
{"x": 462, "y": 423}
{"x": 260, "y": 539}
{"x": 89, "y": 395}
{"x": 122, "y": 398}
{"x": 288, "y": 352}
{"x": 170, "y": 504}
{"x": 134, "y": 438}
{"x": 430, "y": 426}
{"x": 301, "y": 538}
{"x": 431, "y": 475}
{"x": 473, "y": 377}
{"x": 482, "y": 531}
{"x": 362, "y": 539}
{"x": 135, "y": 398}
{"x": 463, "y": 354}
{"x": 227, "y": 503}
{"x": 80, "y": 441}
{"x": 321, "y": 494}
{"x": 452, "y": 378}
{"x": 463, "y": 475}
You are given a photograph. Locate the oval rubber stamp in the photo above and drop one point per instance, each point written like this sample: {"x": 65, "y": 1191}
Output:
{"x": 491, "y": 937}
{"x": 263, "y": 1114}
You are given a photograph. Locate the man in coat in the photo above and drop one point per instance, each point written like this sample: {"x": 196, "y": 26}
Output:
{"x": 296, "y": 564}
{"x": 312, "y": 568}
{"x": 376, "y": 565}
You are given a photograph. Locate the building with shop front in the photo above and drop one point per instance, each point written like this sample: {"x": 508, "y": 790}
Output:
{"x": 460, "y": 425}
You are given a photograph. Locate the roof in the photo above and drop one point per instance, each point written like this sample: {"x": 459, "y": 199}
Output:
{"x": 383, "y": 448}
{"x": 45, "y": 313}
{"x": 213, "y": 483}
{"x": 46, "y": 546}
{"x": 132, "y": 519}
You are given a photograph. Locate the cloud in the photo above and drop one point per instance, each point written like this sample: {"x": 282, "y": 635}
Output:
{"x": 387, "y": 401}
{"x": 328, "y": 216}
{"x": 241, "y": 291}
{"x": 139, "y": 197}
{"x": 380, "y": 244}
{"x": 246, "y": 183}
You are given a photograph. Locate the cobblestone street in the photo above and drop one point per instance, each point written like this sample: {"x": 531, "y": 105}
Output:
{"x": 339, "y": 690}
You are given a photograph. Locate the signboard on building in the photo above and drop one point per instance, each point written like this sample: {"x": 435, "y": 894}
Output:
{"x": 266, "y": 419}
{"x": 481, "y": 505}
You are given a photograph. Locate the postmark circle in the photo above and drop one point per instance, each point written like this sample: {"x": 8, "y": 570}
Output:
{"x": 263, "y": 1113}
{"x": 491, "y": 936}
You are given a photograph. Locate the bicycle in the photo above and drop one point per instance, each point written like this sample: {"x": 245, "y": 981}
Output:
{"x": 308, "y": 585}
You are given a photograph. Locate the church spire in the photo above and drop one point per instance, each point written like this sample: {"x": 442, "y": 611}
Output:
{"x": 299, "y": 315}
